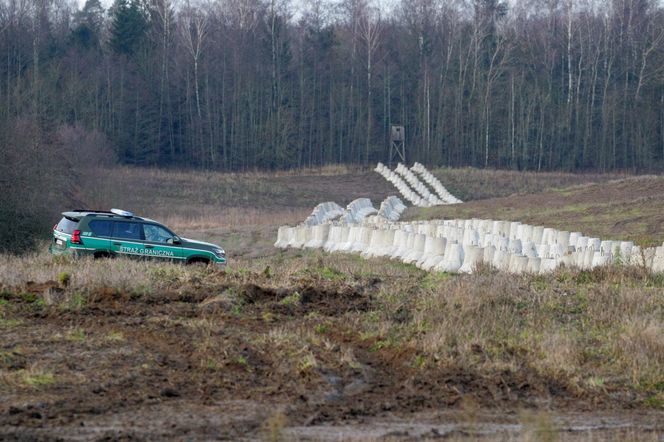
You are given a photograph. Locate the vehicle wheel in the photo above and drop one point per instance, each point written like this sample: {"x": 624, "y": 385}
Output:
{"x": 102, "y": 255}
{"x": 198, "y": 262}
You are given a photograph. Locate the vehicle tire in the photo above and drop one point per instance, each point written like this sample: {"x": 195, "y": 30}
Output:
{"x": 102, "y": 255}
{"x": 198, "y": 262}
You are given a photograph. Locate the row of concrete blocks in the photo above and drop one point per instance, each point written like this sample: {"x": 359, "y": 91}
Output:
{"x": 563, "y": 241}
{"x": 413, "y": 189}
{"x": 450, "y": 248}
{"x": 417, "y": 185}
{"x": 357, "y": 212}
{"x": 402, "y": 187}
{"x": 435, "y": 183}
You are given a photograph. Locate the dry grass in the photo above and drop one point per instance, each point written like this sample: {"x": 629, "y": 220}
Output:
{"x": 587, "y": 331}
{"x": 568, "y": 336}
{"x": 87, "y": 274}
{"x": 204, "y": 199}
{"x": 33, "y": 377}
{"x": 234, "y": 217}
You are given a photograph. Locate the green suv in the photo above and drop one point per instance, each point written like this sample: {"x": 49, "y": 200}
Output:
{"x": 120, "y": 233}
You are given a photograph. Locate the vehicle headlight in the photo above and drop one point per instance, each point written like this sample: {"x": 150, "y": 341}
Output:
{"x": 219, "y": 252}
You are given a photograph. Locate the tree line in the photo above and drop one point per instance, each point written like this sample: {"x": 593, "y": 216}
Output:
{"x": 244, "y": 84}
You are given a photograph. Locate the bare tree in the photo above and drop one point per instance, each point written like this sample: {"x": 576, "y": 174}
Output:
{"x": 370, "y": 32}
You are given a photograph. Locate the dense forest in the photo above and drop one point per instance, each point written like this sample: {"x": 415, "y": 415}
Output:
{"x": 243, "y": 84}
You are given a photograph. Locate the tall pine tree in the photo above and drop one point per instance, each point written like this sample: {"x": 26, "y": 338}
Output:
{"x": 128, "y": 27}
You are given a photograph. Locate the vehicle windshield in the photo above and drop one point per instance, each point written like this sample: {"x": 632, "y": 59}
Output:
{"x": 66, "y": 225}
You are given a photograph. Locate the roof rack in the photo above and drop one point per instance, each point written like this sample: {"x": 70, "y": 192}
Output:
{"x": 121, "y": 212}
{"x": 90, "y": 211}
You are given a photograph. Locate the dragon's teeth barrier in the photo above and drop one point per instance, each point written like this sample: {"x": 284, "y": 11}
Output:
{"x": 413, "y": 190}
{"x": 461, "y": 245}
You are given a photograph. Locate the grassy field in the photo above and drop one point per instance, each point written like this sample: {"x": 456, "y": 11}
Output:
{"x": 303, "y": 345}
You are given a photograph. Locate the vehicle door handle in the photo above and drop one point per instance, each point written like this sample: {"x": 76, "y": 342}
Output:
{"x": 149, "y": 246}
{"x": 117, "y": 243}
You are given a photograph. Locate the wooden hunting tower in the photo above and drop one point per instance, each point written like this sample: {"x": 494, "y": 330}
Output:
{"x": 397, "y": 144}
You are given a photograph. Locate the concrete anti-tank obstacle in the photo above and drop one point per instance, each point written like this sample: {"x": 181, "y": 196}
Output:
{"x": 417, "y": 250}
{"x": 514, "y": 246}
{"x": 538, "y": 232}
{"x": 518, "y": 264}
{"x": 323, "y": 213}
{"x": 373, "y": 243}
{"x": 391, "y": 208}
{"x": 358, "y": 210}
{"x": 489, "y": 251}
{"x": 657, "y": 260}
{"x": 601, "y": 259}
{"x": 343, "y": 238}
{"x": 406, "y": 246}
{"x": 533, "y": 264}
{"x": 386, "y": 244}
{"x": 548, "y": 265}
{"x": 363, "y": 240}
{"x": 299, "y": 237}
{"x": 353, "y": 237}
{"x": 319, "y": 236}
{"x": 594, "y": 244}
{"x": 626, "y": 248}
{"x": 434, "y": 253}
{"x": 381, "y": 241}
{"x": 528, "y": 249}
{"x": 515, "y": 227}
{"x": 472, "y": 256}
{"x": 501, "y": 260}
{"x": 284, "y": 237}
{"x": 562, "y": 238}
{"x": 427, "y": 228}
{"x": 453, "y": 259}
{"x": 333, "y": 238}
{"x": 568, "y": 260}
{"x": 400, "y": 239}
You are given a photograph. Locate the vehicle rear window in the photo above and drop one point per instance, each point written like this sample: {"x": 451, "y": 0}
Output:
{"x": 101, "y": 227}
{"x": 67, "y": 226}
{"x": 128, "y": 230}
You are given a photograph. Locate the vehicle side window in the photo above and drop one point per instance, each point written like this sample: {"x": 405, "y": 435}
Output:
{"x": 156, "y": 233}
{"x": 67, "y": 226}
{"x": 128, "y": 230}
{"x": 101, "y": 227}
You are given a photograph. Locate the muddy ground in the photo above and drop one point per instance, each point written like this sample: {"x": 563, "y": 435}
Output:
{"x": 201, "y": 360}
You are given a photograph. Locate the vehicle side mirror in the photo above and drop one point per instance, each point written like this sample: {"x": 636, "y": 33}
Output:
{"x": 175, "y": 240}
